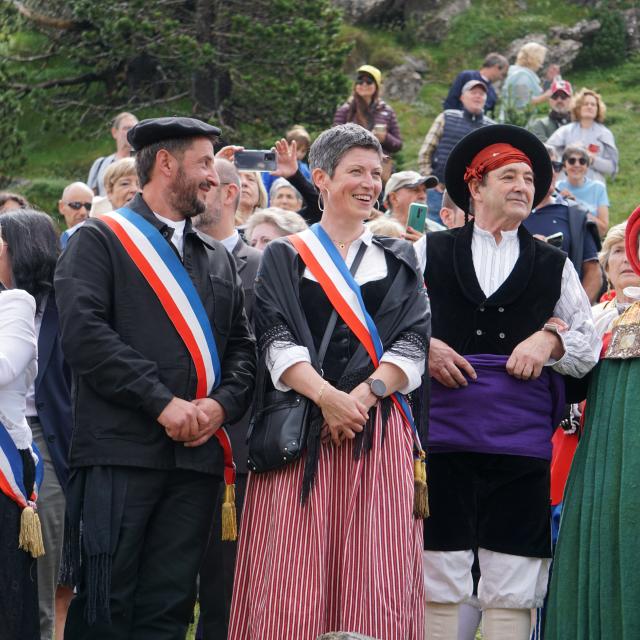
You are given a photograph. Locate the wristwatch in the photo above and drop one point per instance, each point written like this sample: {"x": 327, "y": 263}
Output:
{"x": 553, "y": 328}
{"x": 378, "y": 388}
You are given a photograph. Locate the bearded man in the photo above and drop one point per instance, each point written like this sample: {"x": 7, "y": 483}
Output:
{"x": 154, "y": 329}
{"x": 509, "y": 318}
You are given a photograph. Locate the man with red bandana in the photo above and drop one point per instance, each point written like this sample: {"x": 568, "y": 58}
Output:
{"x": 510, "y": 318}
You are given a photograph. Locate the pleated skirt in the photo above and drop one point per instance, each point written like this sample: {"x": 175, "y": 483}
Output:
{"x": 348, "y": 560}
{"x": 595, "y": 587}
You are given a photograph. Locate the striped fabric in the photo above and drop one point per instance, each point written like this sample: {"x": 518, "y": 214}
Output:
{"x": 350, "y": 560}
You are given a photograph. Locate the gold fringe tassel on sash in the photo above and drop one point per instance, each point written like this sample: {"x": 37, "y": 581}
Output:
{"x": 30, "y": 539}
{"x": 420, "y": 489}
{"x": 229, "y": 518}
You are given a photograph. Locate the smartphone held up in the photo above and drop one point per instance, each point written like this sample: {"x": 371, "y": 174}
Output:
{"x": 256, "y": 160}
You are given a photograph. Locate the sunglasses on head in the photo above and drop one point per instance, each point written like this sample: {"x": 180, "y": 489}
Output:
{"x": 580, "y": 160}
{"x": 365, "y": 80}
{"x": 76, "y": 206}
{"x": 557, "y": 166}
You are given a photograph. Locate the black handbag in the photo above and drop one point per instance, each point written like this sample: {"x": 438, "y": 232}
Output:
{"x": 281, "y": 421}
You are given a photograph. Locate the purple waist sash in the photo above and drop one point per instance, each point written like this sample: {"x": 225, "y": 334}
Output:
{"x": 497, "y": 413}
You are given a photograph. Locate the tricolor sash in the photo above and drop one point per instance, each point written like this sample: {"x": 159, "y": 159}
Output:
{"x": 166, "y": 275}
{"x": 330, "y": 270}
{"x": 12, "y": 485}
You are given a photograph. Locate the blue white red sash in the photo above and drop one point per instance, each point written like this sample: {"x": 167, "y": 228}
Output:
{"x": 330, "y": 270}
{"x": 171, "y": 283}
{"x": 12, "y": 471}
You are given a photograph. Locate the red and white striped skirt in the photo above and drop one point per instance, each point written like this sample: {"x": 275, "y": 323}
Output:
{"x": 348, "y": 560}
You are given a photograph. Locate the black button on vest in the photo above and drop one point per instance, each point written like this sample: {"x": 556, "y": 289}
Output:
{"x": 468, "y": 321}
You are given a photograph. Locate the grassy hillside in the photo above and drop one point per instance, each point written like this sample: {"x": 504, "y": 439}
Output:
{"x": 55, "y": 157}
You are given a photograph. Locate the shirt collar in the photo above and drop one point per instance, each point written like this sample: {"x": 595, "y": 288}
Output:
{"x": 231, "y": 242}
{"x": 509, "y": 236}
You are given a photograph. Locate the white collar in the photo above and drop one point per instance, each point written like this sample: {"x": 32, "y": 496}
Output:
{"x": 231, "y": 242}
{"x": 509, "y": 235}
{"x": 178, "y": 225}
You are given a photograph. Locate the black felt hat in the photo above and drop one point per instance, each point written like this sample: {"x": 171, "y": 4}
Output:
{"x": 467, "y": 148}
{"x": 153, "y": 130}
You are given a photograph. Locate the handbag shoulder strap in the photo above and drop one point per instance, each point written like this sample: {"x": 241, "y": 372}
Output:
{"x": 324, "y": 345}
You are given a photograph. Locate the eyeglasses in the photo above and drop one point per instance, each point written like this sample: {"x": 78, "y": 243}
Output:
{"x": 557, "y": 166}
{"x": 580, "y": 160}
{"x": 560, "y": 96}
{"x": 365, "y": 80}
{"x": 76, "y": 206}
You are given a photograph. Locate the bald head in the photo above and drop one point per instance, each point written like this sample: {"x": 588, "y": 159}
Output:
{"x": 75, "y": 203}
{"x": 218, "y": 219}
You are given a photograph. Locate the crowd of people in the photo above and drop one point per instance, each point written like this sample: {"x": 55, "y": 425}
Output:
{"x": 377, "y": 380}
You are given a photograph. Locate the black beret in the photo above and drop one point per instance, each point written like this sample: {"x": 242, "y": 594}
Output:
{"x": 469, "y": 146}
{"x": 153, "y": 130}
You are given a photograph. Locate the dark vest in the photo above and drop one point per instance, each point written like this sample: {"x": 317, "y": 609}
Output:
{"x": 317, "y": 309}
{"x": 468, "y": 321}
{"x": 457, "y": 123}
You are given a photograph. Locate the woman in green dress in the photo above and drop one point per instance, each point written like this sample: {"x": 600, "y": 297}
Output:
{"x": 595, "y": 587}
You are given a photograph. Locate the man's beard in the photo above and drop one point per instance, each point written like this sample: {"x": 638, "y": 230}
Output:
{"x": 184, "y": 196}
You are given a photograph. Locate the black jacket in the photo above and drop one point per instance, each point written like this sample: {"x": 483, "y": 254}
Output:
{"x": 127, "y": 359}
{"x": 53, "y": 391}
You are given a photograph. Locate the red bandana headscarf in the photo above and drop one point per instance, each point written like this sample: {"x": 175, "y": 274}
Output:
{"x": 493, "y": 157}
{"x": 631, "y": 240}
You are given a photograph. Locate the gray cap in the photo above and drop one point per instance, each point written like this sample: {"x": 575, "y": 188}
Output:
{"x": 409, "y": 179}
{"x": 472, "y": 84}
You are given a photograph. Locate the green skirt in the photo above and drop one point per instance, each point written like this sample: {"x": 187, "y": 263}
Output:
{"x": 595, "y": 587}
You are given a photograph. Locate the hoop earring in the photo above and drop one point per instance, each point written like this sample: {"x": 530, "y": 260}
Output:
{"x": 376, "y": 206}
{"x": 320, "y": 203}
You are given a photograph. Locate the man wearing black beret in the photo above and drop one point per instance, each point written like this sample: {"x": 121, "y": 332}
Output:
{"x": 154, "y": 330}
{"x": 509, "y": 315}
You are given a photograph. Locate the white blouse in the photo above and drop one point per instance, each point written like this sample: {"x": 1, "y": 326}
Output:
{"x": 18, "y": 362}
{"x": 373, "y": 267}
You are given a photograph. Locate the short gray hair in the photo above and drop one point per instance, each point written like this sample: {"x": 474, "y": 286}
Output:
{"x": 282, "y": 183}
{"x": 575, "y": 149}
{"x": 331, "y": 145}
{"x": 614, "y": 235}
{"x": 287, "y": 222}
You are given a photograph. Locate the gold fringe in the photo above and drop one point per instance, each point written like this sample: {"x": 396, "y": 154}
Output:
{"x": 30, "y": 539}
{"x": 229, "y": 519}
{"x": 420, "y": 489}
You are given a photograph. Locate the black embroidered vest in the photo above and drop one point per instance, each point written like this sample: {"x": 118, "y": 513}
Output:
{"x": 317, "y": 309}
{"x": 468, "y": 321}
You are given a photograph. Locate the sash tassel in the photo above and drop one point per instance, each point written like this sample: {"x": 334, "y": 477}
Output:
{"x": 30, "y": 539}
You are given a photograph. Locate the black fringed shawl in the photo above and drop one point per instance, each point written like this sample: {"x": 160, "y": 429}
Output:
{"x": 403, "y": 319}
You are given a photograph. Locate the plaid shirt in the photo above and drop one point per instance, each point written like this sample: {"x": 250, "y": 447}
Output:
{"x": 430, "y": 144}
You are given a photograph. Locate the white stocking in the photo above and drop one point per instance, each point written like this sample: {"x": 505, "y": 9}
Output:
{"x": 441, "y": 621}
{"x": 506, "y": 624}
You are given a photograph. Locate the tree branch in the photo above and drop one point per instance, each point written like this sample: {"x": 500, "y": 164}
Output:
{"x": 58, "y": 82}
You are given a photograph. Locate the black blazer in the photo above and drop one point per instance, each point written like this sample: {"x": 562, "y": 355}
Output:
{"x": 53, "y": 391}
{"x": 127, "y": 359}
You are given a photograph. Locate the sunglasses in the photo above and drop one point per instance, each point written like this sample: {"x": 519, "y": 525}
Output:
{"x": 76, "y": 206}
{"x": 365, "y": 80}
{"x": 557, "y": 166}
{"x": 560, "y": 96}
{"x": 580, "y": 160}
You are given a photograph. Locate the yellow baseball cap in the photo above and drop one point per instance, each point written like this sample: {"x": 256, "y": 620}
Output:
{"x": 374, "y": 72}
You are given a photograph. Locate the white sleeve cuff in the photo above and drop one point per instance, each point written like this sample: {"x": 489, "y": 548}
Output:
{"x": 279, "y": 359}
{"x": 412, "y": 369}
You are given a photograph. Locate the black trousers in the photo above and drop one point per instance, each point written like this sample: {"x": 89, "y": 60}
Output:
{"x": 164, "y": 531}
{"x": 216, "y": 573}
{"x": 19, "y": 614}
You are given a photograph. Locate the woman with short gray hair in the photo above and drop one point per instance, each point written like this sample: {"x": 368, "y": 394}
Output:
{"x": 344, "y": 515}
{"x": 266, "y": 225}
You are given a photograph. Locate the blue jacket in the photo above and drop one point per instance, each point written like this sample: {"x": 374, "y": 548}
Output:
{"x": 53, "y": 391}
{"x": 452, "y": 101}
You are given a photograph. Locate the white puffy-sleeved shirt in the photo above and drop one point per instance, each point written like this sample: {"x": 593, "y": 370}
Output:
{"x": 493, "y": 262}
{"x": 18, "y": 362}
